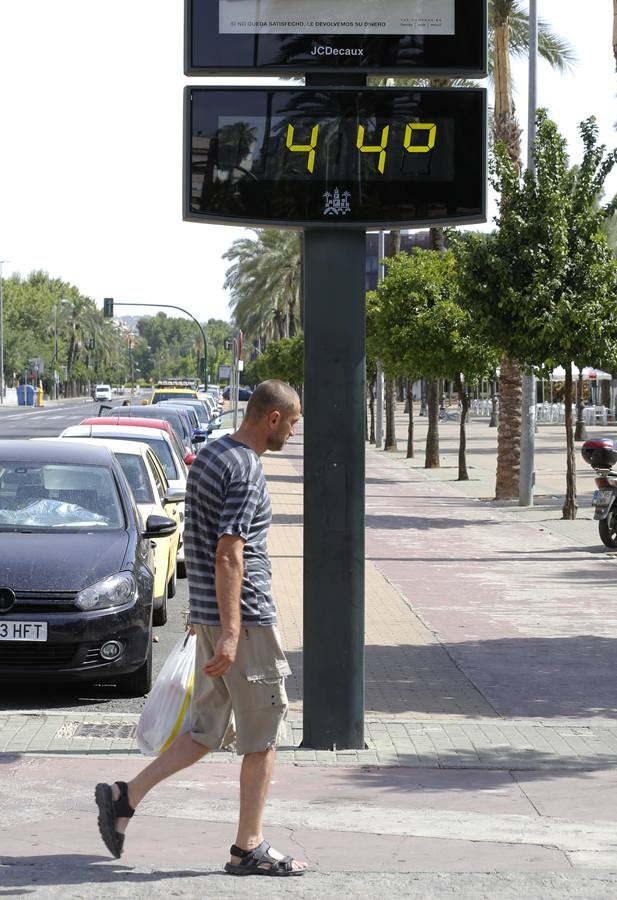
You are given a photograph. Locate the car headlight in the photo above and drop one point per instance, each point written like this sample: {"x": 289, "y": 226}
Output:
{"x": 117, "y": 590}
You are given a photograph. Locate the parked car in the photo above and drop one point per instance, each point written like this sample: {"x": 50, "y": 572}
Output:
{"x": 243, "y": 393}
{"x": 170, "y": 391}
{"x": 177, "y": 419}
{"x": 153, "y": 496}
{"x": 183, "y": 408}
{"x": 198, "y": 408}
{"x": 77, "y": 567}
{"x": 102, "y": 392}
{"x": 187, "y": 454}
{"x": 160, "y": 437}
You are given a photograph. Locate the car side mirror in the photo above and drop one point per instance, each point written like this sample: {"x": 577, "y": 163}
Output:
{"x": 159, "y": 526}
{"x": 199, "y": 436}
{"x": 174, "y": 495}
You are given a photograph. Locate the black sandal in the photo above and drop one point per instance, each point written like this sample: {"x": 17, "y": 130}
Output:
{"x": 261, "y": 862}
{"x": 109, "y": 811}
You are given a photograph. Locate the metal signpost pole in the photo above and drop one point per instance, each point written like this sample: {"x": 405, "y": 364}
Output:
{"x": 334, "y": 404}
{"x": 527, "y": 475}
{"x": 381, "y": 252}
{"x": 186, "y": 312}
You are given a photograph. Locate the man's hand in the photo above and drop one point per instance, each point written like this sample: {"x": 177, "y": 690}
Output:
{"x": 224, "y": 655}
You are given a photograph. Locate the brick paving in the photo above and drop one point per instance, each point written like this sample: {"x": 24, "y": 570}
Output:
{"x": 479, "y": 651}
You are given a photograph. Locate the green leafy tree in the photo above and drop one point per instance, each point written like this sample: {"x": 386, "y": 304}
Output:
{"x": 419, "y": 326}
{"x": 544, "y": 283}
{"x": 282, "y": 359}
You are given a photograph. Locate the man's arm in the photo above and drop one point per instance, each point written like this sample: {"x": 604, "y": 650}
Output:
{"x": 229, "y": 570}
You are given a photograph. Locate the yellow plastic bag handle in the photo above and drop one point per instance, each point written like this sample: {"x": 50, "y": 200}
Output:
{"x": 181, "y": 714}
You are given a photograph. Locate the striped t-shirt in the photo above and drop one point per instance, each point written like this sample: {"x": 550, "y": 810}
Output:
{"x": 226, "y": 493}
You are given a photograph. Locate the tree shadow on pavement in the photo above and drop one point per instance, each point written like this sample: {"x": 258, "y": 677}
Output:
{"x": 72, "y": 868}
{"x": 418, "y": 523}
{"x": 574, "y": 677}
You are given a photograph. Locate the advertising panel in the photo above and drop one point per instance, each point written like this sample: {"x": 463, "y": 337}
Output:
{"x": 420, "y": 37}
{"x": 367, "y": 17}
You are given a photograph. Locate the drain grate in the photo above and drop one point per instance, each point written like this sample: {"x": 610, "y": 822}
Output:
{"x": 106, "y": 731}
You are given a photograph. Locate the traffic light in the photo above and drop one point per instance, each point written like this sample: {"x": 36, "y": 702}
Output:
{"x": 108, "y": 308}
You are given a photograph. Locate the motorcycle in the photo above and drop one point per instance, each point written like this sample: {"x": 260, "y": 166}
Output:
{"x": 601, "y": 455}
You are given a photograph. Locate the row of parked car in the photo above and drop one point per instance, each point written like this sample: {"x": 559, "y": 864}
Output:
{"x": 91, "y": 543}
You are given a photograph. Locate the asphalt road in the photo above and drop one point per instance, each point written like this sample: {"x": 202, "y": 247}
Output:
{"x": 49, "y": 422}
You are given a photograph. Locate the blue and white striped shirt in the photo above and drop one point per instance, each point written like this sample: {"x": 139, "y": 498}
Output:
{"x": 227, "y": 494}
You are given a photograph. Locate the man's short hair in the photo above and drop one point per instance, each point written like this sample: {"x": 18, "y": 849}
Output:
{"x": 271, "y": 395}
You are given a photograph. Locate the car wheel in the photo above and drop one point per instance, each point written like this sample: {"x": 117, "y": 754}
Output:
{"x": 181, "y": 569}
{"x": 159, "y": 613}
{"x": 138, "y": 682}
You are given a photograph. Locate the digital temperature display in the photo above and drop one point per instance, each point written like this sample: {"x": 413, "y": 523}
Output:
{"x": 342, "y": 157}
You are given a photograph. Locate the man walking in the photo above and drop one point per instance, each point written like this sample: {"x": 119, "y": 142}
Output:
{"x": 239, "y": 696}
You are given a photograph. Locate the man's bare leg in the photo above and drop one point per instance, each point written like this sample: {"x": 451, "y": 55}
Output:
{"x": 255, "y": 777}
{"x": 180, "y": 754}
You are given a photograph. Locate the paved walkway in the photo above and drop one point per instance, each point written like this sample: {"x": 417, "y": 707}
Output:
{"x": 491, "y": 689}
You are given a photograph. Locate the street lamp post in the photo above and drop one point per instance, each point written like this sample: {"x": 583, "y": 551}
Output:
{"x": 1, "y": 336}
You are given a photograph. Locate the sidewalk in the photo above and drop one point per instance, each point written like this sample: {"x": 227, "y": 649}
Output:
{"x": 491, "y": 697}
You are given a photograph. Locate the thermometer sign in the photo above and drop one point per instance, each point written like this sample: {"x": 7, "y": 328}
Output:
{"x": 269, "y": 155}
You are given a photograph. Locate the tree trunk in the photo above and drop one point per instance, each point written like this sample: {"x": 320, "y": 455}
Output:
{"x": 507, "y": 128}
{"x": 437, "y": 240}
{"x": 580, "y": 432}
{"x": 394, "y": 244}
{"x": 371, "y": 408}
{"x": 431, "y": 460}
{"x": 390, "y": 442}
{"x": 509, "y": 431}
{"x": 463, "y": 396}
{"x": 410, "y": 450}
{"x": 570, "y": 505}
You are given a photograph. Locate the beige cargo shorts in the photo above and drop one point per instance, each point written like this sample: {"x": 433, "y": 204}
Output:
{"x": 246, "y": 708}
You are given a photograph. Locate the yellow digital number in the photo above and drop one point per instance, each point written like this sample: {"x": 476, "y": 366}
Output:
{"x": 304, "y": 148}
{"x": 420, "y": 126}
{"x": 379, "y": 148}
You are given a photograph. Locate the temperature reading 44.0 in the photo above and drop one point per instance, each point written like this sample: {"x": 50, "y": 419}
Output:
{"x": 419, "y": 137}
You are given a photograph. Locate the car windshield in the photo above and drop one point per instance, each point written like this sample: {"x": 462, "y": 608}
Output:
{"x": 170, "y": 395}
{"x": 159, "y": 445}
{"x": 134, "y": 467}
{"x": 57, "y": 496}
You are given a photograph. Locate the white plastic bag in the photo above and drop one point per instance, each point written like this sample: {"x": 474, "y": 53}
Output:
{"x": 167, "y": 712}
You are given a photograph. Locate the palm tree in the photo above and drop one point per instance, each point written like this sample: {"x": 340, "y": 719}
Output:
{"x": 509, "y": 26}
{"x": 80, "y": 322}
{"x": 265, "y": 284}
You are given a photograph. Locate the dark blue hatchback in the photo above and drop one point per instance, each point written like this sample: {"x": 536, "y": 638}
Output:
{"x": 76, "y": 567}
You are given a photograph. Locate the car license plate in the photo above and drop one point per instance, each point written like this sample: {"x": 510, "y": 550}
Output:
{"x": 602, "y": 498}
{"x": 23, "y": 631}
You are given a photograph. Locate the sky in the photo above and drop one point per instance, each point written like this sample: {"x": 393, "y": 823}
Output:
{"x": 91, "y": 143}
